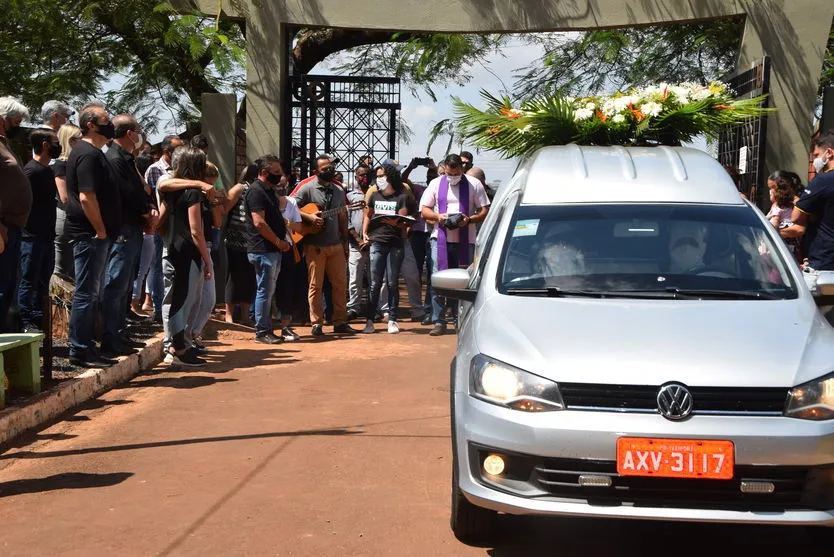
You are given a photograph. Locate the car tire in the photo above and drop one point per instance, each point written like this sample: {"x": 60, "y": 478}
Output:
{"x": 470, "y": 523}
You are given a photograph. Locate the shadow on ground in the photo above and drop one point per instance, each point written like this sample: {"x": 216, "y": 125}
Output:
{"x": 73, "y": 480}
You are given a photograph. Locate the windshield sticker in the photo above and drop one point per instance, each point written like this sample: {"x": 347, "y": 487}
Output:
{"x": 527, "y": 227}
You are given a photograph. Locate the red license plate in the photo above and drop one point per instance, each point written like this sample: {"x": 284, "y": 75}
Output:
{"x": 675, "y": 458}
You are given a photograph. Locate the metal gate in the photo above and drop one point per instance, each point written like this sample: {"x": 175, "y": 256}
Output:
{"x": 349, "y": 117}
{"x": 742, "y": 146}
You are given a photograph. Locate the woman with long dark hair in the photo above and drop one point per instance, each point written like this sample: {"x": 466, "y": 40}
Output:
{"x": 187, "y": 262}
{"x": 384, "y": 228}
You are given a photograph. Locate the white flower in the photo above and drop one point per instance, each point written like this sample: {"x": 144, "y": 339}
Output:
{"x": 681, "y": 93}
{"x": 526, "y": 128}
{"x": 582, "y": 114}
{"x": 621, "y": 103}
{"x": 618, "y": 119}
{"x": 609, "y": 107}
{"x": 651, "y": 108}
{"x": 591, "y": 106}
{"x": 700, "y": 93}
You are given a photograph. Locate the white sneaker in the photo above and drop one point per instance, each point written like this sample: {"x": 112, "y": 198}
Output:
{"x": 393, "y": 328}
{"x": 369, "y": 327}
{"x": 169, "y": 358}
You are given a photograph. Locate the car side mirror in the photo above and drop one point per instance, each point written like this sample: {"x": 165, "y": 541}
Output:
{"x": 825, "y": 284}
{"x": 453, "y": 283}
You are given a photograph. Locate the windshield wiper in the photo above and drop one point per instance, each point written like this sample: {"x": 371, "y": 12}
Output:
{"x": 703, "y": 293}
{"x": 556, "y": 292}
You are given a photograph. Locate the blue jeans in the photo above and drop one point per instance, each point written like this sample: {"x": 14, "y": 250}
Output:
{"x": 157, "y": 287}
{"x": 9, "y": 261}
{"x": 386, "y": 261}
{"x": 37, "y": 260}
{"x": 90, "y": 262}
{"x": 438, "y": 303}
{"x": 118, "y": 286}
{"x": 267, "y": 266}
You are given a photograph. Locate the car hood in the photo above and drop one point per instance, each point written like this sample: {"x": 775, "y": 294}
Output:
{"x": 722, "y": 343}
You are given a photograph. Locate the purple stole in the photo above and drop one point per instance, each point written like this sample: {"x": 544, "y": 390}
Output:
{"x": 463, "y": 233}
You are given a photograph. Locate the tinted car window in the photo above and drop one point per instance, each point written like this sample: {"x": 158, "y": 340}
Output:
{"x": 642, "y": 248}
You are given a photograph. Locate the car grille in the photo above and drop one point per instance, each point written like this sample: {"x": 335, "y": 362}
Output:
{"x": 560, "y": 478}
{"x": 643, "y": 398}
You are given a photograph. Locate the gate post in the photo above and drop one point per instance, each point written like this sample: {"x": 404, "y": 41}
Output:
{"x": 266, "y": 77}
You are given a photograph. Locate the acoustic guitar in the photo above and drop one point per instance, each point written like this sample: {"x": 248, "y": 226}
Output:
{"x": 313, "y": 208}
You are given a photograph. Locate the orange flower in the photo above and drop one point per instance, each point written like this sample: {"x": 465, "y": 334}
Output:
{"x": 510, "y": 113}
{"x": 601, "y": 116}
{"x": 725, "y": 107}
{"x": 493, "y": 131}
{"x": 637, "y": 114}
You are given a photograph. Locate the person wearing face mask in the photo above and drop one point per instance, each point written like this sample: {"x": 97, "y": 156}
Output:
{"x": 285, "y": 289}
{"x": 15, "y": 202}
{"x": 55, "y": 114}
{"x": 385, "y": 232}
{"x": 326, "y": 251}
{"x": 94, "y": 219}
{"x": 359, "y": 256}
{"x": 452, "y": 203}
{"x": 37, "y": 254}
{"x": 126, "y": 247}
{"x": 815, "y": 209}
{"x": 266, "y": 242}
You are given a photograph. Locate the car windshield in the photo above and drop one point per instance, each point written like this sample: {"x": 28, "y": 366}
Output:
{"x": 680, "y": 251}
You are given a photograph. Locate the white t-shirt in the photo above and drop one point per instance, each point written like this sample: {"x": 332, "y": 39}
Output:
{"x": 291, "y": 213}
{"x": 477, "y": 200}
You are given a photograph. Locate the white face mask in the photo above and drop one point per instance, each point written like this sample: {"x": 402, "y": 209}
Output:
{"x": 820, "y": 164}
{"x": 453, "y": 180}
{"x": 138, "y": 140}
{"x": 382, "y": 183}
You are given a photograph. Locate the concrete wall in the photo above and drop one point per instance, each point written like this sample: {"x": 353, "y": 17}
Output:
{"x": 792, "y": 32}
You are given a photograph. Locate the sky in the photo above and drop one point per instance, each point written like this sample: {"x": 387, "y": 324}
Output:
{"x": 421, "y": 112}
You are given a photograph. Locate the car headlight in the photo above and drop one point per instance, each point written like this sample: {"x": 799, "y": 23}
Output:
{"x": 813, "y": 400}
{"x": 502, "y": 384}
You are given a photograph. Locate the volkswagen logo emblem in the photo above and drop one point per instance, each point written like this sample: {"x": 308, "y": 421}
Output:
{"x": 674, "y": 402}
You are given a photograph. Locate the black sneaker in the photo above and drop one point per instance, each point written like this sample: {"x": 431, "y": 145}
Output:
{"x": 117, "y": 349}
{"x": 344, "y": 329}
{"x": 317, "y": 331}
{"x": 427, "y": 320}
{"x": 29, "y": 328}
{"x": 188, "y": 359}
{"x": 288, "y": 334}
{"x": 92, "y": 363}
{"x": 201, "y": 350}
{"x": 351, "y": 315}
{"x": 157, "y": 317}
{"x": 268, "y": 338}
{"x": 133, "y": 317}
{"x": 131, "y": 343}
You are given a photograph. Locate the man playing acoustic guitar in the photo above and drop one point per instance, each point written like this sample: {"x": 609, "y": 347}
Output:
{"x": 326, "y": 251}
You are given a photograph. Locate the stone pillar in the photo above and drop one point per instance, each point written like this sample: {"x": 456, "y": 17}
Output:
{"x": 218, "y": 125}
{"x": 266, "y": 48}
{"x": 796, "y": 53}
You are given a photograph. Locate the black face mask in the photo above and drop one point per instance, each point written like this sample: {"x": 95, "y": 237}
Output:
{"x": 108, "y": 130}
{"x": 327, "y": 175}
{"x": 273, "y": 179}
{"x": 54, "y": 151}
{"x": 12, "y": 131}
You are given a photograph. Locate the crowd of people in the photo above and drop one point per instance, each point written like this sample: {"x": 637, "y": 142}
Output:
{"x": 139, "y": 235}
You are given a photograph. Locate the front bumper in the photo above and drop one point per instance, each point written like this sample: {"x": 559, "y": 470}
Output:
{"x": 762, "y": 443}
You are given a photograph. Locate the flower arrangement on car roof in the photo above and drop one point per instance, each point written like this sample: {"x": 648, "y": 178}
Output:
{"x": 654, "y": 115}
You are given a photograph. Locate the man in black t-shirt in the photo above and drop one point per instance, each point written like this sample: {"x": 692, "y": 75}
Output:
{"x": 816, "y": 206}
{"x": 267, "y": 231}
{"x": 37, "y": 252}
{"x": 94, "y": 217}
{"x": 127, "y": 246}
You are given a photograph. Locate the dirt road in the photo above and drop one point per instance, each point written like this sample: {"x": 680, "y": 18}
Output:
{"x": 336, "y": 447}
